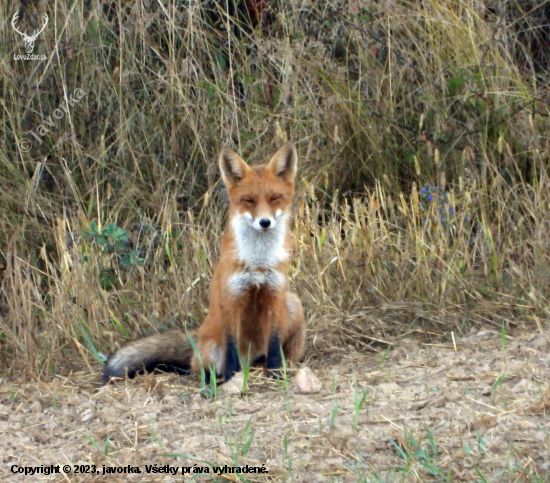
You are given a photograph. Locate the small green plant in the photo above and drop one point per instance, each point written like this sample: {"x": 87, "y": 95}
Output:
{"x": 155, "y": 439}
{"x": 365, "y": 474}
{"x": 334, "y": 411}
{"x": 238, "y": 444}
{"x": 213, "y": 382}
{"x": 99, "y": 357}
{"x": 287, "y": 459}
{"x": 384, "y": 356}
{"x": 498, "y": 383}
{"x": 112, "y": 242}
{"x": 204, "y": 389}
{"x": 245, "y": 439}
{"x": 110, "y": 238}
{"x": 106, "y": 446}
{"x": 245, "y": 367}
{"x": 286, "y": 383}
{"x": 358, "y": 403}
{"x": 412, "y": 451}
{"x": 333, "y": 414}
{"x": 90, "y": 440}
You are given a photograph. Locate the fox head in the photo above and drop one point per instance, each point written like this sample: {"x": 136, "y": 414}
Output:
{"x": 261, "y": 195}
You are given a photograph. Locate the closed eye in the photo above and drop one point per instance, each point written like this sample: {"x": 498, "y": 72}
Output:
{"x": 248, "y": 200}
{"x": 275, "y": 197}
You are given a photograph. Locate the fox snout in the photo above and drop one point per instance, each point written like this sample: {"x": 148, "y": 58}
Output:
{"x": 261, "y": 223}
{"x": 264, "y": 222}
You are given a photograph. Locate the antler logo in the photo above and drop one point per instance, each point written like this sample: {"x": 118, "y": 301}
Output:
{"x": 29, "y": 40}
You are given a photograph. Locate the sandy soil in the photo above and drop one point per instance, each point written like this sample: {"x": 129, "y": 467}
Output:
{"x": 447, "y": 410}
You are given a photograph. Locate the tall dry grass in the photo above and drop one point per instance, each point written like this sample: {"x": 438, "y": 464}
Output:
{"x": 423, "y": 200}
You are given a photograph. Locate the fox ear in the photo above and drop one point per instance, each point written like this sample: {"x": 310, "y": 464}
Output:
{"x": 232, "y": 166}
{"x": 285, "y": 162}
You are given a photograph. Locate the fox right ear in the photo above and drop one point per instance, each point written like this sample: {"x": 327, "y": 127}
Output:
{"x": 232, "y": 166}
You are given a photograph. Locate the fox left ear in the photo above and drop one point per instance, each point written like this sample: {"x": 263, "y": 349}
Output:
{"x": 285, "y": 162}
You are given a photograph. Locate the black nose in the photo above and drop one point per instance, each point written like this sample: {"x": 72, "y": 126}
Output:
{"x": 265, "y": 223}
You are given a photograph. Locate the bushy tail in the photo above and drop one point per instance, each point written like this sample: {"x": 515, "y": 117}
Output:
{"x": 169, "y": 349}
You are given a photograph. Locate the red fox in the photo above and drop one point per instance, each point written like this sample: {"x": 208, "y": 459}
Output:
{"x": 251, "y": 307}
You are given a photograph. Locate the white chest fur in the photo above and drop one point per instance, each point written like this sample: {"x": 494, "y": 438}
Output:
{"x": 242, "y": 281}
{"x": 260, "y": 252}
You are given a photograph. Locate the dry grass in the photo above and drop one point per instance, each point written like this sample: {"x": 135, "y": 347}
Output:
{"x": 423, "y": 134}
{"x": 422, "y": 217}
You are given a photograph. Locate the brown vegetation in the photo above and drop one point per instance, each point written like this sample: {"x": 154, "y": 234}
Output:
{"x": 422, "y": 130}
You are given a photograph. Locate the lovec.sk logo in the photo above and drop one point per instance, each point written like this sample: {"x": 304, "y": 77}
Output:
{"x": 29, "y": 39}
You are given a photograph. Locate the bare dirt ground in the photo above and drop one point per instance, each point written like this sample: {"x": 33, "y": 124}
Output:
{"x": 428, "y": 409}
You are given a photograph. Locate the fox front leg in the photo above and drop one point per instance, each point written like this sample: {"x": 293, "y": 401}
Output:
{"x": 274, "y": 358}
{"x": 232, "y": 364}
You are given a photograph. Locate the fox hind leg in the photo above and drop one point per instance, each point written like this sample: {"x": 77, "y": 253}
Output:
{"x": 294, "y": 343}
